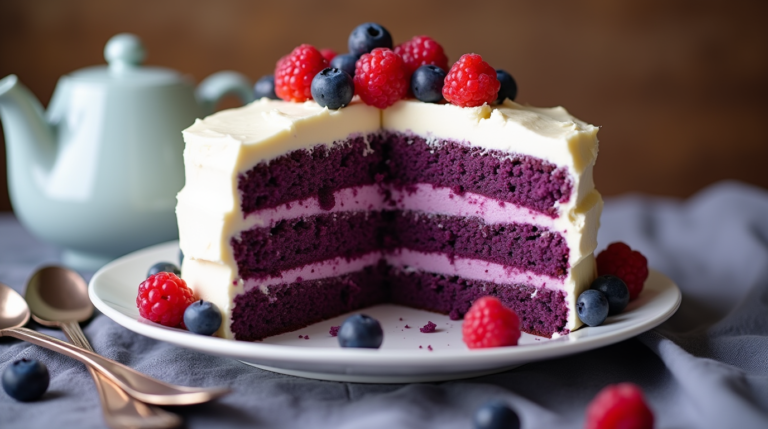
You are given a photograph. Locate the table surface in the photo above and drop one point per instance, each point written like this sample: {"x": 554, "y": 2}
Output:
{"x": 707, "y": 367}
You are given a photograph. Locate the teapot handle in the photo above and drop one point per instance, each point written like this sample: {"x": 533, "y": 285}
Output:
{"x": 222, "y": 83}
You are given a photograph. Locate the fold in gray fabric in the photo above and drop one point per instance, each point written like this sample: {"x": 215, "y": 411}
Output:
{"x": 707, "y": 367}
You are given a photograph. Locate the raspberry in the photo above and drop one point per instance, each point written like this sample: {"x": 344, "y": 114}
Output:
{"x": 328, "y": 54}
{"x": 488, "y": 323}
{"x": 619, "y": 406}
{"x": 621, "y": 261}
{"x": 381, "y": 78}
{"x": 421, "y": 51}
{"x": 471, "y": 82}
{"x": 163, "y": 298}
{"x": 295, "y": 71}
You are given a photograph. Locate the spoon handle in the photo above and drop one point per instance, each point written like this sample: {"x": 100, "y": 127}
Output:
{"x": 121, "y": 411}
{"x": 136, "y": 384}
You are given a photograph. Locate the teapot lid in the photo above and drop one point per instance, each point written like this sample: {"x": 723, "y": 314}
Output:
{"x": 124, "y": 54}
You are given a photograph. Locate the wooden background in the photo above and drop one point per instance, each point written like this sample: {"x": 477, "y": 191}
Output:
{"x": 679, "y": 88}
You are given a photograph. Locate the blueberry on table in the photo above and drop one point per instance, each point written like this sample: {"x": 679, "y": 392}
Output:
{"x": 265, "y": 87}
{"x": 496, "y": 415}
{"x": 508, "y": 87}
{"x": 615, "y": 290}
{"x": 345, "y": 62}
{"x": 332, "y": 88}
{"x": 592, "y": 307}
{"x": 427, "y": 83}
{"x": 366, "y": 37}
{"x": 163, "y": 267}
{"x": 361, "y": 331}
{"x": 26, "y": 380}
{"x": 202, "y": 317}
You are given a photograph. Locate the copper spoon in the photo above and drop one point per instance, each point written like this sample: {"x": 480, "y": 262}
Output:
{"x": 58, "y": 297}
{"x": 14, "y": 313}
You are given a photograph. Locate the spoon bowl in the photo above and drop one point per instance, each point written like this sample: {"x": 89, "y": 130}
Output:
{"x": 56, "y": 295}
{"x": 14, "y": 312}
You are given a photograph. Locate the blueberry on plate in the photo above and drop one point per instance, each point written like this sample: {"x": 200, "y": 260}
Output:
{"x": 345, "y": 62}
{"x": 161, "y": 267}
{"x": 332, "y": 88}
{"x": 361, "y": 331}
{"x": 26, "y": 380}
{"x": 366, "y": 37}
{"x": 427, "y": 83}
{"x": 202, "y": 317}
{"x": 615, "y": 290}
{"x": 265, "y": 87}
{"x": 508, "y": 87}
{"x": 496, "y": 415}
{"x": 592, "y": 307}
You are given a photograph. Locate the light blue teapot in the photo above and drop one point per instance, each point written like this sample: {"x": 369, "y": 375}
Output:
{"x": 98, "y": 173}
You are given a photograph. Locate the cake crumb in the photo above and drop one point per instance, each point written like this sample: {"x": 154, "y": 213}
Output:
{"x": 428, "y": 328}
{"x": 306, "y": 337}
{"x": 401, "y": 319}
{"x": 407, "y": 327}
{"x": 334, "y": 331}
{"x": 429, "y": 347}
{"x": 301, "y": 336}
{"x": 420, "y": 347}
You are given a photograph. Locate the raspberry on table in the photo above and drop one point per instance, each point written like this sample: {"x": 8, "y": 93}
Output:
{"x": 488, "y": 323}
{"x": 381, "y": 78}
{"x": 471, "y": 82}
{"x": 295, "y": 71}
{"x": 163, "y": 298}
{"x": 620, "y": 260}
{"x": 421, "y": 51}
{"x": 619, "y": 406}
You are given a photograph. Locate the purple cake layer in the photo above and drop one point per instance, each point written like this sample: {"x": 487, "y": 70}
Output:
{"x": 287, "y": 307}
{"x": 291, "y": 243}
{"x": 523, "y": 246}
{"x": 307, "y": 173}
{"x": 544, "y": 314}
{"x": 523, "y": 180}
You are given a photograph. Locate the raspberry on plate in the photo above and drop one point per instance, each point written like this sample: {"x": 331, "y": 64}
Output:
{"x": 627, "y": 264}
{"x": 295, "y": 71}
{"x": 163, "y": 298}
{"x": 488, "y": 323}
{"x": 421, "y": 51}
{"x": 381, "y": 78}
{"x": 619, "y": 406}
{"x": 471, "y": 82}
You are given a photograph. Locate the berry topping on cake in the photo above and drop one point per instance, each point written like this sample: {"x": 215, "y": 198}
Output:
{"x": 202, "y": 317}
{"x": 427, "y": 83}
{"x": 428, "y": 328}
{"x": 332, "y": 88}
{"x": 619, "y": 406}
{"x": 471, "y": 82}
{"x": 615, "y": 290}
{"x": 361, "y": 331}
{"x": 163, "y": 298}
{"x": 380, "y": 78}
{"x": 627, "y": 264}
{"x": 163, "y": 267}
{"x": 508, "y": 87}
{"x": 26, "y": 380}
{"x": 488, "y": 323}
{"x": 265, "y": 87}
{"x": 328, "y": 54}
{"x": 294, "y": 73}
{"x": 345, "y": 62}
{"x": 421, "y": 51}
{"x": 592, "y": 307}
{"x": 367, "y": 37}
{"x": 496, "y": 415}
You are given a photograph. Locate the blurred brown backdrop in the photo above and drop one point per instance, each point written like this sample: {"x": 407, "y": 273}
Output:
{"x": 680, "y": 88}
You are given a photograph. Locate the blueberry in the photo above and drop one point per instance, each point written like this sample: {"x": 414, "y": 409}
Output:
{"x": 366, "y": 37}
{"x": 427, "y": 83}
{"x": 508, "y": 87}
{"x": 345, "y": 62}
{"x": 496, "y": 415}
{"x": 332, "y": 88}
{"x": 202, "y": 317}
{"x": 592, "y": 307}
{"x": 361, "y": 331}
{"x": 161, "y": 267}
{"x": 615, "y": 290}
{"x": 265, "y": 87}
{"x": 26, "y": 380}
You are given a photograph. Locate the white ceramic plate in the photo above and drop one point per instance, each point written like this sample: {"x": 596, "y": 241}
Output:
{"x": 406, "y": 356}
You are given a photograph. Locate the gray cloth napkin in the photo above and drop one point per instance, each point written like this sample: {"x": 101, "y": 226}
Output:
{"x": 707, "y": 367}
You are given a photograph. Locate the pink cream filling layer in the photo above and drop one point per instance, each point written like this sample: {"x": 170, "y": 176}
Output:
{"x": 439, "y": 263}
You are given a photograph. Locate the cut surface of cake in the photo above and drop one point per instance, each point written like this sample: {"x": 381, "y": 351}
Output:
{"x": 293, "y": 213}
